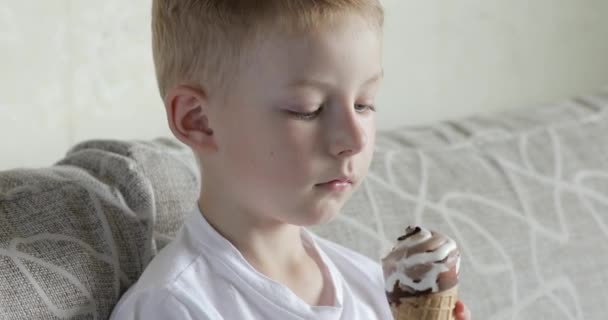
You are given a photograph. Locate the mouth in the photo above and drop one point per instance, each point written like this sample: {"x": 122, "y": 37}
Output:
{"x": 343, "y": 180}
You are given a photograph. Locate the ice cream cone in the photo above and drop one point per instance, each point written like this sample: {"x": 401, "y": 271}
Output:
{"x": 433, "y": 306}
{"x": 421, "y": 275}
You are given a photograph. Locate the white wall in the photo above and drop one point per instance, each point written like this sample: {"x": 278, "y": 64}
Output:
{"x": 79, "y": 69}
{"x": 447, "y": 59}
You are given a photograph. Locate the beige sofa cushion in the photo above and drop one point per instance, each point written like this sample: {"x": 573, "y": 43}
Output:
{"x": 75, "y": 236}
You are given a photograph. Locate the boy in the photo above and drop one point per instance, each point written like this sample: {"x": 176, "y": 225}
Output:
{"x": 275, "y": 98}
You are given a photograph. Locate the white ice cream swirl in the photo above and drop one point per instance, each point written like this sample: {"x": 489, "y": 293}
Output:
{"x": 421, "y": 262}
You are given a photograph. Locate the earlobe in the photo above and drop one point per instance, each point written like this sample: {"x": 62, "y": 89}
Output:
{"x": 187, "y": 114}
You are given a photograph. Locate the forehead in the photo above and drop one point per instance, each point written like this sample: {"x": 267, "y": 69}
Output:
{"x": 345, "y": 53}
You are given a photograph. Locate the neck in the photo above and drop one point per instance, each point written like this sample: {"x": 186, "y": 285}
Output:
{"x": 270, "y": 246}
{"x": 274, "y": 248}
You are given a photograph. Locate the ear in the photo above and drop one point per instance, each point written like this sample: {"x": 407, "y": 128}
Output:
{"x": 188, "y": 116}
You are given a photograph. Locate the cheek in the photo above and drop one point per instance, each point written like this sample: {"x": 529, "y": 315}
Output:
{"x": 243, "y": 153}
{"x": 291, "y": 154}
{"x": 273, "y": 157}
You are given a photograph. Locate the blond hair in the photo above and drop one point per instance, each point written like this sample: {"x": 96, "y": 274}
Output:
{"x": 202, "y": 41}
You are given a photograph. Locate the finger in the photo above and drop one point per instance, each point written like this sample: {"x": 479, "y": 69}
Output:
{"x": 459, "y": 307}
{"x": 461, "y": 312}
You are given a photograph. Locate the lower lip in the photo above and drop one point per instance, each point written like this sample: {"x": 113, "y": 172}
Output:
{"x": 336, "y": 185}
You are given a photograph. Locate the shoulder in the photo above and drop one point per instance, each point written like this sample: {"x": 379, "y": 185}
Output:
{"x": 174, "y": 285}
{"x": 160, "y": 304}
{"x": 171, "y": 264}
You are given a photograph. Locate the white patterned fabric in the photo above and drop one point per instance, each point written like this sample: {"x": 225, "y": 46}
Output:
{"x": 525, "y": 194}
{"x": 75, "y": 236}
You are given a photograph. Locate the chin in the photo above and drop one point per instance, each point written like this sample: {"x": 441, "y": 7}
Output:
{"x": 320, "y": 216}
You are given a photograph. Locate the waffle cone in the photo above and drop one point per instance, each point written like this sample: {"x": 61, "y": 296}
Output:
{"x": 435, "y": 306}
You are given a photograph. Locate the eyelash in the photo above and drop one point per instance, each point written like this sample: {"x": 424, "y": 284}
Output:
{"x": 314, "y": 114}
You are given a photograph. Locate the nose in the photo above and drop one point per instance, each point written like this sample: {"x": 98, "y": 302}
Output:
{"x": 347, "y": 133}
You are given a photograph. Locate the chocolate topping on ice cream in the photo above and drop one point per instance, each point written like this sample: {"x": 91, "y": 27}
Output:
{"x": 421, "y": 262}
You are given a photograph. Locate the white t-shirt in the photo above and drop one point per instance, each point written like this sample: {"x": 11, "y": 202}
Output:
{"x": 201, "y": 275}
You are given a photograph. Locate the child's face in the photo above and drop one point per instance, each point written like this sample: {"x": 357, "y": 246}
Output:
{"x": 274, "y": 161}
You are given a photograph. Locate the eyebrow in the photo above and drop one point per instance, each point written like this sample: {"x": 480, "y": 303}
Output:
{"x": 322, "y": 84}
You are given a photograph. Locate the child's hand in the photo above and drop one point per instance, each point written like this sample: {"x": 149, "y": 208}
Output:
{"x": 461, "y": 312}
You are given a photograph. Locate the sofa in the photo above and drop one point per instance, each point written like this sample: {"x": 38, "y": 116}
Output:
{"x": 523, "y": 192}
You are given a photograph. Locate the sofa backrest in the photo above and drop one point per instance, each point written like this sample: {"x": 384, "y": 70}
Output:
{"x": 524, "y": 193}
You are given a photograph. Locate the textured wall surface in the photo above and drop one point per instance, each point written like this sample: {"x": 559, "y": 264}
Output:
{"x": 74, "y": 70}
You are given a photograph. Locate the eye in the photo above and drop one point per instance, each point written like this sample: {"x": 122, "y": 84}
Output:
{"x": 306, "y": 115}
{"x": 365, "y": 107}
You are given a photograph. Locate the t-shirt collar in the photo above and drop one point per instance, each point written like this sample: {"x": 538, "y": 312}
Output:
{"x": 197, "y": 226}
